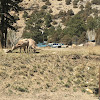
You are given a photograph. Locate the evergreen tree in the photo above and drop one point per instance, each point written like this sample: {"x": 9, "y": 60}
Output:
{"x": 91, "y": 23}
{"x": 75, "y": 26}
{"x": 7, "y": 19}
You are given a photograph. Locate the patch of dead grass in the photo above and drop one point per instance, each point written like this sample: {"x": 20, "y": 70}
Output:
{"x": 51, "y": 69}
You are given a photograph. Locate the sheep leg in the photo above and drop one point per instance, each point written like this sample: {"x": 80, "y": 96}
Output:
{"x": 27, "y": 49}
{"x": 20, "y": 49}
{"x": 24, "y": 49}
{"x": 34, "y": 50}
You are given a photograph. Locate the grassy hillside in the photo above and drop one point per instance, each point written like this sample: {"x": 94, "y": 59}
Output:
{"x": 50, "y": 70}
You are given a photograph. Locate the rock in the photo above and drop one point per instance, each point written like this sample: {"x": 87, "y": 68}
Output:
{"x": 64, "y": 46}
{"x": 89, "y": 90}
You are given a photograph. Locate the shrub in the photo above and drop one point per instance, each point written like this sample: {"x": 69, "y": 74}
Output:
{"x": 91, "y": 23}
{"x": 95, "y": 11}
{"x": 63, "y": 20}
{"x": 98, "y": 37}
{"x": 22, "y": 89}
{"x": 82, "y": 38}
{"x": 75, "y": 40}
{"x": 75, "y": 2}
{"x": 70, "y": 12}
{"x": 75, "y": 6}
{"x": 44, "y": 0}
{"x": 76, "y": 25}
{"x": 81, "y": 7}
{"x": 48, "y": 3}
{"x": 62, "y": 13}
{"x": 44, "y": 7}
{"x": 97, "y": 2}
{"x": 66, "y": 40}
{"x": 67, "y": 85}
{"x": 25, "y": 15}
{"x": 68, "y": 2}
{"x": 50, "y": 11}
{"x": 48, "y": 20}
{"x": 16, "y": 17}
{"x": 54, "y": 23}
{"x": 88, "y": 6}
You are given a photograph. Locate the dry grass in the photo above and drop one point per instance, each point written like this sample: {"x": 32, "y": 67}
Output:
{"x": 50, "y": 69}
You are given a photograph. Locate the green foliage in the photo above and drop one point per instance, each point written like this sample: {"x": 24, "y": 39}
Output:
{"x": 47, "y": 2}
{"x": 48, "y": 20}
{"x": 54, "y": 23}
{"x": 95, "y": 11}
{"x": 68, "y": 2}
{"x": 16, "y": 17}
{"x": 88, "y": 6}
{"x": 75, "y": 2}
{"x": 44, "y": 7}
{"x": 37, "y": 20}
{"x": 25, "y": 15}
{"x": 50, "y": 11}
{"x": 83, "y": 38}
{"x": 81, "y": 7}
{"x": 63, "y": 20}
{"x": 68, "y": 85}
{"x": 97, "y": 22}
{"x": 98, "y": 37}
{"x": 7, "y": 20}
{"x": 75, "y": 39}
{"x": 56, "y": 35}
{"x": 75, "y": 6}
{"x": 21, "y": 89}
{"x": 44, "y": 0}
{"x": 70, "y": 12}
{"x": 66, "y": 19}
{"x": 97, "y": 2}
{"x": 98, "y": 31}
{"x": 91, "y": 23}
{"x": 66, "y": 39}
{"x": 50, "y": 30}
{"x": 76, "y": 25}
{"x": 62, "y": 13}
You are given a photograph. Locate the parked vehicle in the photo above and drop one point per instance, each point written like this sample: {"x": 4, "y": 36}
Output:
{"x": 55, "y": 45}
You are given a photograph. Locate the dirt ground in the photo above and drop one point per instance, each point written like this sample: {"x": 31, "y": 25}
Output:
{"x": 52, "y": 96}
{"x": 50, "y": 74}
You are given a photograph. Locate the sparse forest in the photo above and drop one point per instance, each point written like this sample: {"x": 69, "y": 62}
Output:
{"x": 65, "y": 72}
{"x": 42, "y": 23}
{"x": 75, "y": 25}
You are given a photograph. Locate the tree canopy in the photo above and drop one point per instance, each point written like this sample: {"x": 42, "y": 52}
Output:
{"x": 7, "y": 20}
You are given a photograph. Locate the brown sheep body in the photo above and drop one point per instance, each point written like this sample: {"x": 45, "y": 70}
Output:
{"x": 22, "y": 43}
{"x": 32, "y": 45}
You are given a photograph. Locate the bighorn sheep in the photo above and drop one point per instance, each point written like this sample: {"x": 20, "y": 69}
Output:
{"x": 21, "y": 43}
{"x": 32, "y": 44}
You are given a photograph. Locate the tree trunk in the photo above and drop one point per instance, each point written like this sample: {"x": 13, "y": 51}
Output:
{"x": 5, "y": 37}
{"x": 0, "y": 40}
{"x": 2, "y": 31}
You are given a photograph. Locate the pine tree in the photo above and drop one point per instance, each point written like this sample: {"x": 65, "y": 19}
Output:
{"x": 7, "y": 20}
